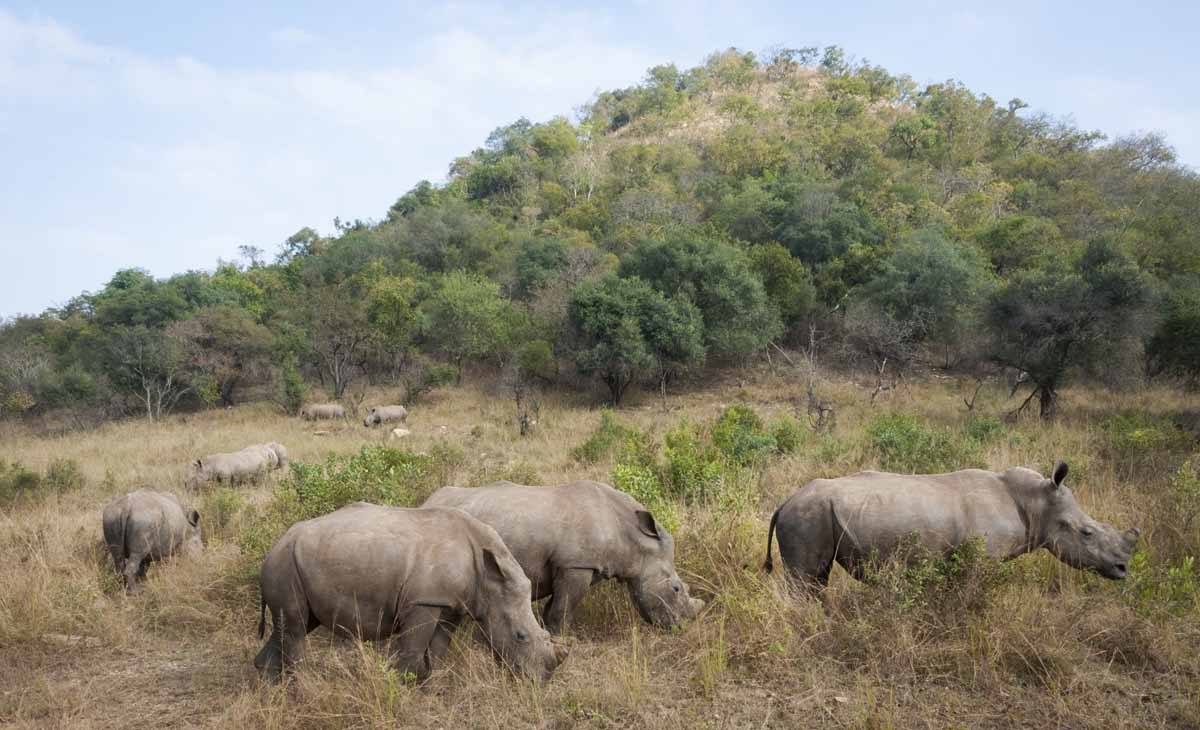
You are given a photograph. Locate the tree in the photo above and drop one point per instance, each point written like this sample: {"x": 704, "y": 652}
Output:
{"x": 393, "y": 316}
{"x": 623, "y": 329}
{"x": 226, "y": 346}
{"x": 1175, "y": 347}
{"x": 787, "y": 281}
{"x": 339, "y": 333}
{"x": 933, "y": 283}
{"x": 717, "y": 278}
{"x": 149, "y": 366}
{"x": 1048, "y": 321}
{"x": 467, "y": 318}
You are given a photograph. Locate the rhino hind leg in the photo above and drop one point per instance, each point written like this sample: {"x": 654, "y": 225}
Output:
{"x": 269, "y": 661}
{"x": 808, "y": 552}
{"x": 570, "y": 585}
{"x": 134, "y": 570}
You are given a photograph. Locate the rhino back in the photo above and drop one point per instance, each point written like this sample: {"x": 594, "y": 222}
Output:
{"x": 363, "y": 565}
{"x": 155, "y": 524}
{"x": 576, "y": 525}
{"x": 875, "y": 511}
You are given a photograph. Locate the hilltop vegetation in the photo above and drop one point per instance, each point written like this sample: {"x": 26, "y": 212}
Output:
{"x": 689, "y": 221}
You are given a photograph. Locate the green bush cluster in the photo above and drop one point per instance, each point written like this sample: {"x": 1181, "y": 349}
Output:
{"x": 607, "y": 435}
{"x": 1137, "y": 435}
{"x": 905, "y": 444}
{"x": 963, "y": 580}
{"x": 19, "y": 484}
{"x": 643, "y": 484}
{"x": 742, "y": 437}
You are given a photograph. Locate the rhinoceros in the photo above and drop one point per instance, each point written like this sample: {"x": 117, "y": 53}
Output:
{"x": 376, "y": 572}
{"x": 145, "y": 526}
{"x": 281, "y": 454}
{"x": 570, "y": 537}
{"x": 322, "y": 411}
{"x": 854, "y": 519}
{"x": 249, "y": 464}
{"x": 385, "y": 414}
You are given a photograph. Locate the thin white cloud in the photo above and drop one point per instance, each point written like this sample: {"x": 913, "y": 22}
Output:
{"x": 290, "y": 38}
{"x": 201, "y": 158}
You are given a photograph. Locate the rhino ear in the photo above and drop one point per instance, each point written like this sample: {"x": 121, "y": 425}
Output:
{"x": 193, "y": 518}
{"x": 647, "y": 524}
{"x": 493, "y": 567}
{"x": 198, "y": 464}
{"x": 1060, "y": 474}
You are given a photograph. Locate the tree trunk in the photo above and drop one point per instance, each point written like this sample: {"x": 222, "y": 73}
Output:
{"x": 1047, "y": 402}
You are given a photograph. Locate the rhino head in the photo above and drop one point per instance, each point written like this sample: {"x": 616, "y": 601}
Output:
{"x": 660, "y": 595}
{"x": 192, "y": 544}
{"x": 371, "y": 419}
{"x": 1077, "y": 539}
{"x": 508, "y": 623}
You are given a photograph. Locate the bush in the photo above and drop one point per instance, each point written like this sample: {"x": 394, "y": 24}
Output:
{"x": 643, "y": 484}
{"x": 693, "y": 470}
{"x": 789, "y": 435}
{"x": 906, "y": 445}
{"x": 292, "y": 389}
{"x": 962, "y": 581}
{"x": 984, "y": 429}
{"x": 740, "y": 435}
{"x": 607, "y": 435}
{"x": 1139, "y": 436}
{"x": 19, "y": 484}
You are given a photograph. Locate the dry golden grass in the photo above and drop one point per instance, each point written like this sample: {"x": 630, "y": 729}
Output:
{"x": 1048, "y": 647}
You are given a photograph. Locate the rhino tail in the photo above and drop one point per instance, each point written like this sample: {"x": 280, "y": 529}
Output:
{"x": 262, "y": 616}
{"x": 769, "y": 564}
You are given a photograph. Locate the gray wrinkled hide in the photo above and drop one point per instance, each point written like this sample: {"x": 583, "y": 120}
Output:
{"x": 567, "y": 538}
{"x": 321, "y": 411}
{"x": 250, "y": 464}
{"x": 145, "y": 526}
{"x": 281, "y": 454}
{"x": 410, "y": 575}
{"x": 847, "y": 520}
{"x": 385, "y": 414}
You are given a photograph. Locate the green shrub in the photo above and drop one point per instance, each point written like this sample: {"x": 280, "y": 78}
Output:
{"x": 963, "y": 580}
{"x": 18, "y": 484}
{"x": 219, "y": 508}
{"x": 292, "y": 389}
{"x": 740, "y": 434}
{"x": 1138, "y": 436}
{"x": 643, "y": 484}
{"x": 984, "y": 429}
{"x": 693, "y": 467}
{"x": 789, "y": 435}
{"x": 906, "y": 445}
{"x": 607, "y": 435}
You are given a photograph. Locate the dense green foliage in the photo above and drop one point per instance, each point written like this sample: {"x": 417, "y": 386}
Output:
{"x": 697, "y": 217}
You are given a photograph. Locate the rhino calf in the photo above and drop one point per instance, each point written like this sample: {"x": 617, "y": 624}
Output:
{"x": 410, "y": 575}
{"x": 385, "y": 414}
{"x": 248, "y": 465}
{"x": 570, "y": 537}
{"x": 853, "y": 519}
{"x": 322, "y": 411}
{"x": 144, "y": 526}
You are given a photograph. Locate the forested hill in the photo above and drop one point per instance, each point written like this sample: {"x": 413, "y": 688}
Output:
{"x": 689, "y": 221}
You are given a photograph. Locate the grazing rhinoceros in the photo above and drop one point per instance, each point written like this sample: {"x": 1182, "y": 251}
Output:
{"x": 385, "y": 414}
{"x": 249, "y": 464}
{"x": 322, "y": 411}
{"x": 147, "y": 525}
{"x": 567, "y": 538}
{"x": 281, "y": 454}
{"x": 375, "y": 572}
{"x": 853, "y": 519}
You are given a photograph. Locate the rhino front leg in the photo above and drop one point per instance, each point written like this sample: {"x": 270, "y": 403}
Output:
{"x": 570, "y": 585}
{"x": 411, "y": 647}
{"x": 440, "y": 644}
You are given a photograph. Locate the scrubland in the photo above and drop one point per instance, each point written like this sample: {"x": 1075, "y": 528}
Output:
{"x": 957, "y": 642}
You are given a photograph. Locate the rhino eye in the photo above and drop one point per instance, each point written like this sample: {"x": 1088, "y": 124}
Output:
{"x": 1087, "y": 532}
{"x": 521, "y": 636}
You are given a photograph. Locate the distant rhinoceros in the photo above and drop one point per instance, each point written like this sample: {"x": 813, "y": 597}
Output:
{"x": 145, "y": 526}
{"x": 854, "y": 519}
{"x": 322, "y": 411}
{"x": 281, "y": 454}
{"x": 385, "y": 414}
{"x": 247, "y": 465}
{"x": 375, "y": 572}
{"x": 567, "y": 538}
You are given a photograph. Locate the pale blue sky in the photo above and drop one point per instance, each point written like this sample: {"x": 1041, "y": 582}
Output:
{"x": 163, "y": 135}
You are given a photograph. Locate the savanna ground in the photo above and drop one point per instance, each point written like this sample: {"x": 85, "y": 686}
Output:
{"x": 950, "y": 643}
